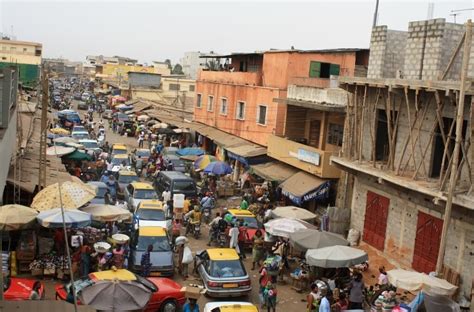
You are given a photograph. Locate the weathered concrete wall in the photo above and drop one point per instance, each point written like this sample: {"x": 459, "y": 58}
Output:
{"x": 402, "y": 221}
{"x": 334, "y": 96}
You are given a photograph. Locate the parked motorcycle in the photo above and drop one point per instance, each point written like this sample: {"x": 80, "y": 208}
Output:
{"x": 196, "y": 229}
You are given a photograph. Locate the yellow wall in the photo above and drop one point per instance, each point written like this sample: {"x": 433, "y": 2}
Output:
{"x": 116, "y": 70}
{"x": 17, "y": 52}
{"x": 185, "y": 85}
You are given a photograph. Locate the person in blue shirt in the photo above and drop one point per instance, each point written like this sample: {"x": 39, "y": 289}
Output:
{"x": 105, "y": 177}
{"x": 191, "y": 306}
{"x": 325, "y": 306}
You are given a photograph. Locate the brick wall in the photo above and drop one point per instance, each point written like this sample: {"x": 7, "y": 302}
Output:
{"x": 402, "y": 222}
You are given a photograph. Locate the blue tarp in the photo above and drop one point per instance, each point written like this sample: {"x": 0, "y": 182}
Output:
{"x": 190, "y": 151}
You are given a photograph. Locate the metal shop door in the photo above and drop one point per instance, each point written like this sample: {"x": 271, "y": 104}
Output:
{"x": 375, "y": 224}
{"x": 428, "y": 235}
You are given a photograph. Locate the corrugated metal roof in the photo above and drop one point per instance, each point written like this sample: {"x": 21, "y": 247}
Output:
{"x": 274, "y": 171}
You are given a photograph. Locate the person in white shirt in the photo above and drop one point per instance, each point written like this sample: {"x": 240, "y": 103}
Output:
{"x": 234, "y": 238}
{"x": 166, "y": 195}
{"x": 383, "y": 279}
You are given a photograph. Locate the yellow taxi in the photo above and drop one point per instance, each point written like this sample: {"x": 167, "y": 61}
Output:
{"x": 223, "y": 273}
{"x": 230, "y": 306}
{"x": 150, "y": 212}
{"x": 161, "y": 257}
{"x": 250, "y": 220}
{"x": 119, "y": 148}
{"x": 124, "y": 178}
{"x": 120, "y": 162}
{"x": 135, "y": 192}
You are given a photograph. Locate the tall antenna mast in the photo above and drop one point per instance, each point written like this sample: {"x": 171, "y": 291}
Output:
{"x": 376, "y": 13}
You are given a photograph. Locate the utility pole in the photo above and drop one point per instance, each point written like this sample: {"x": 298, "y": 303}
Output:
{"x": 44, "y": 129}
{"x": 376, "y": 13}
{"x": 457, "y": 147}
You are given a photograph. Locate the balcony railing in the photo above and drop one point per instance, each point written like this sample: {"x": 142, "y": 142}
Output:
{"x": 330, "y": 96}
{"x": 304, "y": 157}
{"x": 241, "y": 78}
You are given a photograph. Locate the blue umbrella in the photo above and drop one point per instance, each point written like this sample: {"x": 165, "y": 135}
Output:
{"x": 218, "y": 168}
{"x": 190, "y": 151}
{"x": 73, "y": 218}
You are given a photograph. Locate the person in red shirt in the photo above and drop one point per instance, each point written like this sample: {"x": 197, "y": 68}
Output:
{"x": 243, "y": 237}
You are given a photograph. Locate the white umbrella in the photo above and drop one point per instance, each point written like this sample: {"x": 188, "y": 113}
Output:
{"x": 179, "y": 130}
{"x": 284, "y": 226}
{"x": 73, "y": 196}
{"x": 160, "y": 125}
{"x": 72, "y": 218}
{"x": 59, "y": 150}
{"x": 104, "y": 213}
{"x": 65, "y": 140}
{"x": 293, "y": 212}
{"x": 143, "y": 118}
{"x": 335, "y": 257}
{"x": 412, "y": 281}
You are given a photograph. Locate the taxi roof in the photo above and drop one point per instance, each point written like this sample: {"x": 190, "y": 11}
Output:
{"x": 151, "y": 204}
{"x": 121, "y": 275}
{"x": 142, "y": 185}
{"x": 151, "y": 231}
{"x": 119, "y": 146}
{"x": 222, "y": 254}
{"x": 120, "y": 156}
{"x": 241, "y": 212}
{"x": 238, "y": 308}
{"x": 127, "y": 172}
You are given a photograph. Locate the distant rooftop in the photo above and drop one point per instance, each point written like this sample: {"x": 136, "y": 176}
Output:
{"x": 236, "y": 54}
{"x": 36, "y": 44}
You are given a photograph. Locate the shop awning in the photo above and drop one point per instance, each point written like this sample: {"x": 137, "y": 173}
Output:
{"x": 302, "y": 187}
{"x": 139, "y": 106}
{"x": 248, "y": 150}
{"x": 274, "y": 171}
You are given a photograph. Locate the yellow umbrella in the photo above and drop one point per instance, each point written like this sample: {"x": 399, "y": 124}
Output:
{"x": 59, "y": 131}
{"x": 15, "y": 217}
{"x": 202, "y": 161}
{"x": 74, "y": 195}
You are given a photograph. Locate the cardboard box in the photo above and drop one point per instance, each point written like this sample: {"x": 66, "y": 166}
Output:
{"x": 192, "y": 292}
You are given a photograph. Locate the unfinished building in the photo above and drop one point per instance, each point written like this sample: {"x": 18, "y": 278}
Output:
{"x": 408, "y": 152}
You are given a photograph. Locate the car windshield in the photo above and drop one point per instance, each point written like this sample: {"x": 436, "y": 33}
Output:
{"x": 143, "y": 153}
{"x": 145, "y": 194}
{"x": 160, "y": 243}
{"x": 78, "y": 128}
{"x": 91, "y": 144}
{"x": 251, "y": 222}
{"x": 119, "y": 151}
{"x": 80, "y": 135}
{"x": 226, "y": 268}
{"x": 151, "y": 214}
{"x": 127, "y": 179}
{"x": 122, "y": 116}
{"x": 177, "y": 163}
{"x": 118, "y": 161}
{"x": 183, "y": 186}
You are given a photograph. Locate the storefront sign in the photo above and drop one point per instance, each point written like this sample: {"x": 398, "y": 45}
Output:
{"x": 309, "y": 157}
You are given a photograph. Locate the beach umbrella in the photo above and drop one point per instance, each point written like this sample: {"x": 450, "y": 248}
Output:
{"x": 314, "y": 239}
{"x": 218, "y": 168}
{"x": 105, "y": 213}
{"x": 293, "y": 212}
{"x": 64, "y": 140}
{"x": 72, "y": 218}
{"x": 115, "y": 295}
{"x": 284, "y": 227}
{"x": 412, "y": 281}
{"x": 143, "y": 118}
{"x": 335, "y": 257}
{"x": 164, "y": 131}
{"x": 190, "y": 151}
{"x": 77, "y": 155}
{"x": 16, "y": 217}
{"x": 59, "y": 150}
{"x": 73, "y": 194}
{"x": 160, "y": 125}
{"x": 181, "y": 130}
{"x": 202, "y": 161}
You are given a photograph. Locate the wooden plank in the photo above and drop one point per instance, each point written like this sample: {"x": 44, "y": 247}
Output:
{"x": 453, "y": 57}
{"x": 361, "y": 142}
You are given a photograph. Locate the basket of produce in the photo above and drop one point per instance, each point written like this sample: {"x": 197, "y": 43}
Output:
{"x": 120, "y": 238}
{"x": 102, "y": 247}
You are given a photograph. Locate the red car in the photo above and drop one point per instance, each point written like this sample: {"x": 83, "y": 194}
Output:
{"x": 167, "y": 295}
{"x": 20, "y": 288}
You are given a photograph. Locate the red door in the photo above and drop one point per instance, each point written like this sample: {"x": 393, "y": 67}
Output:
{"x": 428, "y": 235}
{"x": 375, "y": 224}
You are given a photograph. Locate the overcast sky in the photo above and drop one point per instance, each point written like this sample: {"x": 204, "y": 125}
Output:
{"x": 156, "y": 30}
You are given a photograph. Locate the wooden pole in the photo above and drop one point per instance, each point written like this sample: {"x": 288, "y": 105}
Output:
{"x": 374, "y": 126}
{"x": 361, "y": 128}
{"x": 44, "y": 130}
{"x": 453, "y": 57}
{"x": 459, "y": 126}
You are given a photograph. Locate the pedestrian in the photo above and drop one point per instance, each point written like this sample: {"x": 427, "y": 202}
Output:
{"x": 191, "y": 306}
{"x": 35, "y": 291}
{"x": 383, "y": 279}
{"x": 166, "y": 195}
{"x": 342, "y": 303}
{"x": 85, "y": 264}
{"x": 118, "y": 256}
{"x": 312, "y": 300}
{"x": 176, "y": 229}
{"x": 140, "y": 140}
{"x": 149, "y": 139}
{"x": 270, "y": 295}
{"x": 185, "y": 257}
{"x": 257, "y": 248}
{"x": 243, "y": 237}
{"x": 325, "y": 305}
{"x": 356, "y": 296}
{"x": 263, "y": 280}
{"x": 244, "y": 205}
{"x": 234, "y": 237}
{"x": 146, "y": 261}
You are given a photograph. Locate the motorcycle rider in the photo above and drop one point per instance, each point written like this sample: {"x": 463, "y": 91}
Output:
{"x": 214, "y": 228}
{"x": 194, "y": 217}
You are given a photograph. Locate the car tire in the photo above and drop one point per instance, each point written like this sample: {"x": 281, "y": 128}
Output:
{"x": 169, "y": 306}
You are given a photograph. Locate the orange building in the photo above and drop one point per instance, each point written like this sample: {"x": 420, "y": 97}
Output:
{"x": 241, "y": 98}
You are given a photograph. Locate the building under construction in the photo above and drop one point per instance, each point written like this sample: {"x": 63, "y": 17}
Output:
{"x": 407, "y": 153}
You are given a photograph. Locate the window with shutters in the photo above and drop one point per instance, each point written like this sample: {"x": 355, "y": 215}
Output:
{"x": 223, "y": 110}
{"x": 262, "y": 115}
{"x": 198, "y": 100}
{"x": 323, "y": 70}
{"x": 210, "y": 103}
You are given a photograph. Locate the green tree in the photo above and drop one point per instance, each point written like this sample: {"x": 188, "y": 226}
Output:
{"x": 177, "y": 70}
